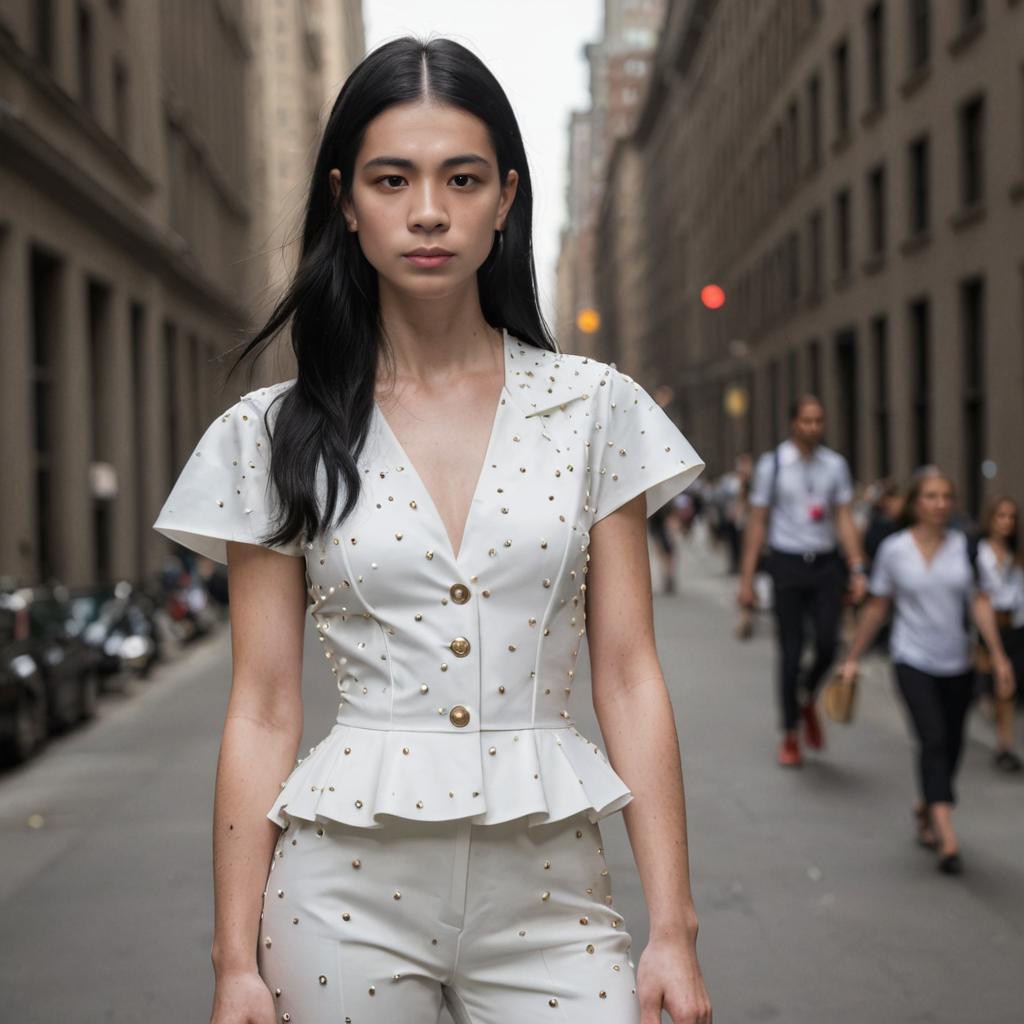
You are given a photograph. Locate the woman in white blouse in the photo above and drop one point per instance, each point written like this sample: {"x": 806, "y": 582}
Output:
{"x": 923, "y": 573}
{"x": 1001, "y": 574}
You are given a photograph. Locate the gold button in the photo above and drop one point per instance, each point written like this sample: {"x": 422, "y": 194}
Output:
{"x": 459, "y": 647}
{"x": 459, "y": 592}
{"x": 459, "y": 715}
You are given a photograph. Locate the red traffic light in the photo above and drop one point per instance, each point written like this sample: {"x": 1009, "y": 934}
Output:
{"x": 712, "y": 296}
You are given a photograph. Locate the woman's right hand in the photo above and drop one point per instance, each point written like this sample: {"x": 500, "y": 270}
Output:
{"x": 242, "y": 997}
{"x": 848, "y": 670}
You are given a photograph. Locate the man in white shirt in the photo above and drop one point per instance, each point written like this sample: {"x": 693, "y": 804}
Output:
{"x": 801, "y": 498}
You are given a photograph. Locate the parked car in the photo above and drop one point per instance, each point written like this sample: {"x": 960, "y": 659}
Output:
{"x": 23, "y": 715}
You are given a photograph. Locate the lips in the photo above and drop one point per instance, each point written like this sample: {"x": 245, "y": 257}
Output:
{"x": 427, "y": 258}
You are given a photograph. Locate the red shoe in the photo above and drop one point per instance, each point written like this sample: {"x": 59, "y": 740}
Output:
{"x": 789, "y": 753}
{"x": 812, "y": 728}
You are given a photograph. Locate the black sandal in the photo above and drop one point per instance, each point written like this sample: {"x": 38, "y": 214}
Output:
{"x": 951, "y": 864}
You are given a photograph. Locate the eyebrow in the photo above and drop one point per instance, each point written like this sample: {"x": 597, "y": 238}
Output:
{"x": 401, "y": 161}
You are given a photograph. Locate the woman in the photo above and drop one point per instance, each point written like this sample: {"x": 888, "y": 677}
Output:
{"x": 923, "y": 573}
{"x": 441, "y": 843}
{"x": 1001, "y": 572}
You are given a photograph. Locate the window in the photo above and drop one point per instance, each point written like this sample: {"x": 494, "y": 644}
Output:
{"x": 880, "y": 354}
{"x": 920, "y": 352}
{"x": 86, "y": 93}
{"x": 920, "y": 205}
{"x": 793, "y": 268}
{"x": 814, "y": 367}
{"x": 920, "y": 34}
{"x": 972, "y": 318}
{"x": 849, "y": 398}
{"x": 876, "y": 56}
{"x": 792, "y": 378}
{"x": 841, "y": 79}
{"x": 844, "y": 246}
{"x": 972, "y": 152}
{"x": 816, "y": 232}
{"x": 44, "y": 32}
{"x": 793, "y": 143}
{"x": 876, "y": 210}
{"x": 971, "y": 12}
{"x": 814, "y": 120}
{"x": 121, "y": 102}
{"x": 773, "y": 399}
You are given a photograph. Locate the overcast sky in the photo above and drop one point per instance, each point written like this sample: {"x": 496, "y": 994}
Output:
{"x": 535, "y": 50}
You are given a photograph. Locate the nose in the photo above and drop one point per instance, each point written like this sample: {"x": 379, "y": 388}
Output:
{"x": 427, "y": 210}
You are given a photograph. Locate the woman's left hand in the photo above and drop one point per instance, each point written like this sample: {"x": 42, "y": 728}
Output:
{"x": 1002, "y": 670}
{"x": 669, "y": 978}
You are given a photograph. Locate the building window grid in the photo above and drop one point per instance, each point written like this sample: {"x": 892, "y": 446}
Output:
{"x": 920, "y": 191}
{"x": 972, "y": 152}
{"x": 876, "y": 56}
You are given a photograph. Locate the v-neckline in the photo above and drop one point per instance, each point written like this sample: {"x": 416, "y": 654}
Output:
{"x": 929, "y": 562}
{"x": 424, "y": 490}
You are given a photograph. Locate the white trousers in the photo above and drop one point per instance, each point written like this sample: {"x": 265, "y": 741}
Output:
{"x": 504, "y": 924}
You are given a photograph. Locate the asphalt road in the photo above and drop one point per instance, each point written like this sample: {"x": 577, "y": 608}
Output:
{"x": 816, "y": 907}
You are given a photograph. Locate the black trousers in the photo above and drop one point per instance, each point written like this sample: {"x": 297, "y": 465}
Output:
{"x": 938, "y": 707}
{"x": 805, "y": 588}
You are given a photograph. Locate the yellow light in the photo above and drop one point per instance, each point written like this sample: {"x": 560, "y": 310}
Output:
{"x": 588, "y": 320}
{"x": 736, "y": 401}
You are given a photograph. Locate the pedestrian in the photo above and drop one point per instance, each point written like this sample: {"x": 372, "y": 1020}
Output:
{"x": 801, "y": 499}
{"x": 924, "y": 575}
{"x": 442, "y": 841}
{"x": 1001, "y": 572}
{"x": 733, "y": 494}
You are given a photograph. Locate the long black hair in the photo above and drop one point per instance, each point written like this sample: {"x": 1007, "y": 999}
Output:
{"x": 332, "y": 301}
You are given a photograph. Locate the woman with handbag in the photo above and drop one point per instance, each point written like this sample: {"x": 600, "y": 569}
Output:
{"x": 1001, "y": 573}
{"x": 924, "y": 574}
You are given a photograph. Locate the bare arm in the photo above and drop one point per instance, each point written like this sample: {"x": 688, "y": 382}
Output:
{"x": 635, "y": 713}
{"x": 262, "y": 730}
{"x": 985, "y": 619}
{"x": 753, "y": 541}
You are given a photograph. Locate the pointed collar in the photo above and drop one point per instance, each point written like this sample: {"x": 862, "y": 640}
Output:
{"x": 538, "y": 380}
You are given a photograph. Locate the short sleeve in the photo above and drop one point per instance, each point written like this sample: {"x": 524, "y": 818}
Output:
{"x": 760, "y": 488}
{"x": 987, "y": 569}
{"x": 844, "y": 482}
{"x": 882, "y": 583}
{"x": 638, "y": 449}
{"x": 224, "y": 490}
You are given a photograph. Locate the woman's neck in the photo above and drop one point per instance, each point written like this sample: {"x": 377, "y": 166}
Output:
{"x": 929, "y": 531}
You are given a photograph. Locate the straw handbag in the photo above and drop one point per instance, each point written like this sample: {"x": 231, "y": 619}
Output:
{"x": 839, "y": 698}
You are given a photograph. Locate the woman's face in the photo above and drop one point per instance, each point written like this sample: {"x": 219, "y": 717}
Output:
{"x": 935, "y": 501}
{"x": 426, "y": 177}
{"x": 1004, "y": 519}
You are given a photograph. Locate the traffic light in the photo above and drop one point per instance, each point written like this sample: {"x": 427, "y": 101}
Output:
{"x": 713, "y": 296}
{"x": 588, "y": 320}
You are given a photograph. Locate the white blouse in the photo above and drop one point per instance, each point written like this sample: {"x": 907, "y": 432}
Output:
{"x": 454, "y": 672}
{"x": 1004, "y": 583}
{"x": 930, "y": 602}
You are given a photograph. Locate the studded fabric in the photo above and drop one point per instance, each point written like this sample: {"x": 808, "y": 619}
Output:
{"x": 454, "y": 669}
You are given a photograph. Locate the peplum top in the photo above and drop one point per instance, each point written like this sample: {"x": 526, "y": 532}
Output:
{"x": 454, "y": 673}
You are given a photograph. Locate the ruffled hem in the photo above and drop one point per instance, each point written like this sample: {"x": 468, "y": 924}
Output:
{"x": 364, "y": 776}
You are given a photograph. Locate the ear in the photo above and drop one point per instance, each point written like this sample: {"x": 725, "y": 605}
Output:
{"x": 345, "y": 205}
{"x": 508, "y": 195}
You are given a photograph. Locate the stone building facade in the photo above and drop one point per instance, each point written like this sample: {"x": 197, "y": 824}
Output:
{"x": 129, "y": 253}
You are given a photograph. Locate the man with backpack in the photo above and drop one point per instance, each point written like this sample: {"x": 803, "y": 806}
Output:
{"x": 801, "y": 500}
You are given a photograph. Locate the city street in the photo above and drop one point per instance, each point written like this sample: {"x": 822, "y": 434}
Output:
{"x": 816, "y": 906}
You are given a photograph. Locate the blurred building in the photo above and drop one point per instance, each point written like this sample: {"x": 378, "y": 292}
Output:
{"x": 620, "y": 64}
{"x": 133, "y": 234}
{"x": 852, "y": 175}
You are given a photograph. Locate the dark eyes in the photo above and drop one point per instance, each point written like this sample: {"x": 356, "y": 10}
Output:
{"x": 463, "y": 180}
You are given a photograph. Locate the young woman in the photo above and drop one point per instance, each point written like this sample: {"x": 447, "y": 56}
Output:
{"x": 441, "y": 843}
{"x": 1001, "y": 572}
{"x": 923, "y": 572}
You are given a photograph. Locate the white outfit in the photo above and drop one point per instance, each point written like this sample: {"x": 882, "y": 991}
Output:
{"x": 1004, "y": 583}
{"x": 807, "y": 491}
{"x": 930, "y": 602}
{"x": 454, "y": 675}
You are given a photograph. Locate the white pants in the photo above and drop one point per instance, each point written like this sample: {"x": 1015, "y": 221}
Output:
{"x": 505, "y": 924}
